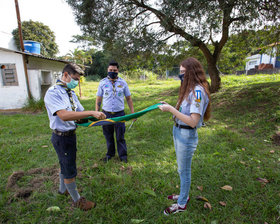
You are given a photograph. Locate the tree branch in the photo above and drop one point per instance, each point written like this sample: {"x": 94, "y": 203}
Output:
{"x": 169, "y": 25}
{"x": 168, "y": 37}
{"x": 227, "y": 20}
{"x": 138, "y": 14}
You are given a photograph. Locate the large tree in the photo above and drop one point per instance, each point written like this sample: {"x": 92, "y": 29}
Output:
{"x": 144, "y": 24}
{"x": 37, "y": 31}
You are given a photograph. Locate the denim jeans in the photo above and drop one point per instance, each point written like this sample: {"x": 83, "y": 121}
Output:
{"x": 185, "y": 142}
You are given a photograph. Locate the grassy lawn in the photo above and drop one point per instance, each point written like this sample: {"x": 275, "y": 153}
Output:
{"x": 237, "y": 148}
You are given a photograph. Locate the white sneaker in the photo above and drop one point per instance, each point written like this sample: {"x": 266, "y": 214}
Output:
{"x": 173, "y": 209}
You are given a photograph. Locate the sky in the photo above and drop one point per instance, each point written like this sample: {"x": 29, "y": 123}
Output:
{"x": 56, "y": 14}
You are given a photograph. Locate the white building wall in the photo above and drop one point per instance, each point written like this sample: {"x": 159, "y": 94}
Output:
{"x": 258, "y": 59}
{"x": 34, "y": 80}
{"x": 253, "y": 61}
{"x": 42, "y": 74}
{"x": 13, "y": 97}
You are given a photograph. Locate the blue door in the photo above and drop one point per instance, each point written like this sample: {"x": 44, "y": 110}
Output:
{"x": 277, "y": 62}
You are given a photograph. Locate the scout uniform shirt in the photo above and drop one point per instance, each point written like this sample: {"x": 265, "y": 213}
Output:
{"x": 113, "y": 94}
{"x": 57, "y": 99}
{"x": 196, "y": 104}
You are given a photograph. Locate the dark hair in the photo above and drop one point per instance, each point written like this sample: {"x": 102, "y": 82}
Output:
{"x": 113, "y": 63}
{"x": 194, "y": 75}
{"x": 73, "y": 69}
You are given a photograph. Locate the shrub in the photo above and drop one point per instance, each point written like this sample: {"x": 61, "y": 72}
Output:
{"x": 93, "y": 78}
{"x": 34, "y": 105}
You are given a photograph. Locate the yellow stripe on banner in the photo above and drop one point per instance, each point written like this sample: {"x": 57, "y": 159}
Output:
{"x": 101, "y": 120}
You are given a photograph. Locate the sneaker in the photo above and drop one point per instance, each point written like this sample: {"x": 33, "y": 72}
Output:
{"x": 173, "y": 209}
{"x": 173, "y": 197}
{"x": 84, "y": 204}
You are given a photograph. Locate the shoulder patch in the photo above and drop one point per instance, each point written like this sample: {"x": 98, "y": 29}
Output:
{"x": 198, "y": 96}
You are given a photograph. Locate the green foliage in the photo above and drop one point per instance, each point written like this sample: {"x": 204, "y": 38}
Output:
{"x": 99, "y": 65}
{"x": 141, "y": 28}
{"x": 80, "y": 57}
{"x": 33, "y": 105}
{"x": 37, "y": 31}
{"x": 235, "y": 148}
{"x": 139, "y": 74}
{"x": 241, "y": 45}
{"x": 93, "y": 78}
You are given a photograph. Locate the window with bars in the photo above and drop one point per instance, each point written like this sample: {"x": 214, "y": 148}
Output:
{"x": 9, "y": 75}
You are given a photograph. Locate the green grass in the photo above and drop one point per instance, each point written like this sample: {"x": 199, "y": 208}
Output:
{"x": 235, "y": 148}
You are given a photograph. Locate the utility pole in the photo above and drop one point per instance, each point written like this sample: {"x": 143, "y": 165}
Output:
{"x": 24, "y": 57}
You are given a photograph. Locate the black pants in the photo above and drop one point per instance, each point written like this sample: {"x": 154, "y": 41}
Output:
{"x": 108, "y": 131}
{"x": 66, "y": 149}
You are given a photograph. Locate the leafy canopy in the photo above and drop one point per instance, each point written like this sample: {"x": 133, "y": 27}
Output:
{"x": 37, "y": 31}
{"x": 146, "y": 25}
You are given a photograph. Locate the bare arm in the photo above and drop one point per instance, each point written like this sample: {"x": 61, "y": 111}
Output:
{"x": 130, "y": 104}
{"x": 98, "y": 103}
{"x": 191, "y": 120}
{"x": 72, "y": 115}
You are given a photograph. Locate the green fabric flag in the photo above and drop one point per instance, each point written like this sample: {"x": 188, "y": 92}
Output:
{"x": 92, "y": 121}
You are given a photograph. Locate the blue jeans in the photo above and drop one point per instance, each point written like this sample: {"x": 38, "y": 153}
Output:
{"x": 185, "y": 142}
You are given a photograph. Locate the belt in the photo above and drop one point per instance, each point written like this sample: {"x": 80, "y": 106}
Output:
{"x": 112, "y": 112}
{"x": 183, "y": 126}
{"x": 65, "y": 133}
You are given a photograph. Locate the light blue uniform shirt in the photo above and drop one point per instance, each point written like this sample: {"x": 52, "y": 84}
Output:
{"x": 113, "y": 94}
{"x": 56, "y": 99}
{"x": 196, "y": 104}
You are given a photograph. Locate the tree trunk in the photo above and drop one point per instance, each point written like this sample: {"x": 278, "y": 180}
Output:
{"x": 214, "y": 76}
{"x": 212, "y": 66}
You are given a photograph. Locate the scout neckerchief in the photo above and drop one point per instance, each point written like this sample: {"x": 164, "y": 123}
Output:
{"x": 69, "y": 92}
{"x": 113, "y": 81}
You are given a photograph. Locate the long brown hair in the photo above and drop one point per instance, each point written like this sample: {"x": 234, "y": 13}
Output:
{"x": 193, "y": 76}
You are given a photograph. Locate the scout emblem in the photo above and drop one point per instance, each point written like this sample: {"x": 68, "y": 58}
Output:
{"x": 120, "y": 86}
{"x": 198, "y": 95}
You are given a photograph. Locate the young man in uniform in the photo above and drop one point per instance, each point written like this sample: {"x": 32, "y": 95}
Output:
{"x": 63, "y": 108}
{"x": 111, "y": 92}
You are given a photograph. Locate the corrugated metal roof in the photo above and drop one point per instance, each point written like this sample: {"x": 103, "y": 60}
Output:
{"x": 34, "y": 55}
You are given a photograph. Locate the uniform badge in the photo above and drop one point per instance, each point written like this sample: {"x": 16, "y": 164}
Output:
{"x": 119, "y": 94}
{"x": 106, "y": 86}
{"x": 197, "y": 105}
{"x": 106, "y": 93}
{"x": 198, "y": 95}
{"x": 120, "y": 86}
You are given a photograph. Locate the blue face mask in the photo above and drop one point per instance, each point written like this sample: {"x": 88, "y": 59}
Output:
{"x": 72, "y": 84}
{"x": 181, "y": 77}
{"x": 112, "y": 75}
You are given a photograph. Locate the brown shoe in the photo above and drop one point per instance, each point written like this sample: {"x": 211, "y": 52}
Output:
{"x": 84, "y": 204}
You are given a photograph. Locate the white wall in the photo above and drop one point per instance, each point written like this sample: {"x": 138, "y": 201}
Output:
{"x": 42, "y": 73}
{"x": 34, "y": 80}
{"x": 258, "y": 59}
{"x": 13, "y": 97}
